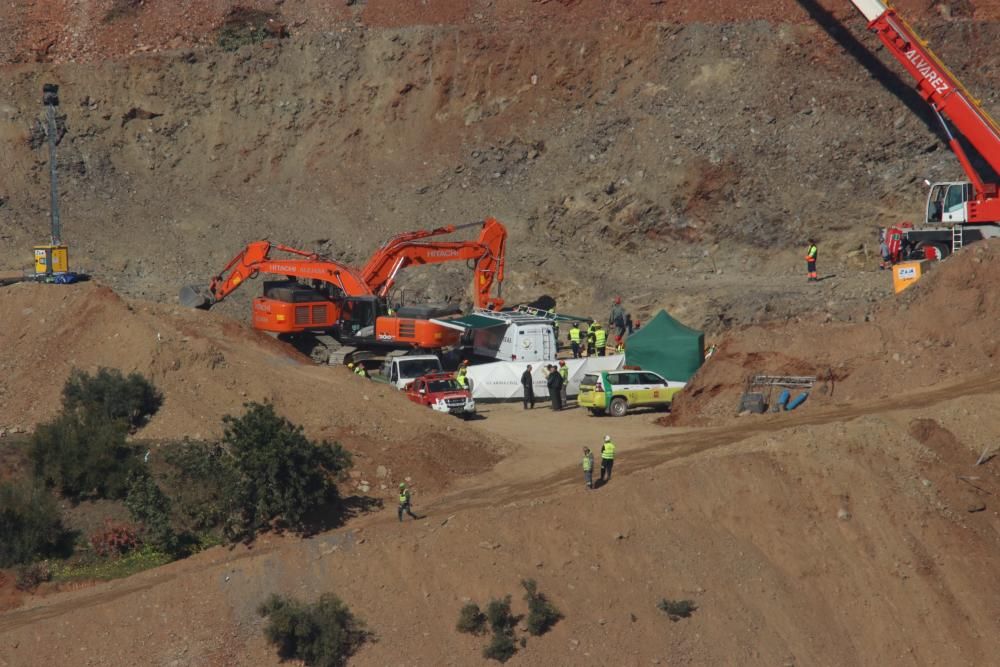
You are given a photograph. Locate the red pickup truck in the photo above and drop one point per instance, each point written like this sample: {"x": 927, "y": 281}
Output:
{"x": 441, "y": 392}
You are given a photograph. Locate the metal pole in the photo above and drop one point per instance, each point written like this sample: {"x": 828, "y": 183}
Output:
{"x": 50, "y": 98}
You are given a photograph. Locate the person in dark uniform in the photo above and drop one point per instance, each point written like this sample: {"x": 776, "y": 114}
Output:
{"x": 529, "y": 388}
{"x": 554, "y": 382}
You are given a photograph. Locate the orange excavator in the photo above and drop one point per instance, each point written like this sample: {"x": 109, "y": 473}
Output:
{"x": 345, "y": 310}
{"x": 485, "y": 256}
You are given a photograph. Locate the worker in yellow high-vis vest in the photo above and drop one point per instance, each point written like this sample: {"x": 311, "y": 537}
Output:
{"x": 600, "y": 340}
{"x": 811, "y": 253}
{"x": 607, "y": 459}
{"x": 564, "y": 374}
{"x": 575, "y": 339}
{"x": 404, "y": 502}
{"x": 588, "y": 467}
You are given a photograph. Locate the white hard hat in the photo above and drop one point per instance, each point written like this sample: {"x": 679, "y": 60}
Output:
{"x": 607, "y": 438}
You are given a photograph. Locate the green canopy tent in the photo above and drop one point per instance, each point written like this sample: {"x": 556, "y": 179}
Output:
{"x": 665, "y": 346}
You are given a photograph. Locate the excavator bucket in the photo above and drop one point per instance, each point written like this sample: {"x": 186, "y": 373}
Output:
{"x": 195, "y": 297}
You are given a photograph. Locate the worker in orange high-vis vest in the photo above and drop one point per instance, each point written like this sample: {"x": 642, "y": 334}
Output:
{"x": 811, "y": 261}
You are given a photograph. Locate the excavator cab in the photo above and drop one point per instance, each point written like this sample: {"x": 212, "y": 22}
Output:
{"x": 946, "y": 203}
{"x": 357, "y": 317}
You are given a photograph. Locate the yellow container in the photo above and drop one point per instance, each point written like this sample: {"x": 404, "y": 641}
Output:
{"x": 905, "y": 274}
{"x": 60, "y": 258}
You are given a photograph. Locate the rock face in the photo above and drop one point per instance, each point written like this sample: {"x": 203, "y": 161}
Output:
{"x": 689, "y": 157}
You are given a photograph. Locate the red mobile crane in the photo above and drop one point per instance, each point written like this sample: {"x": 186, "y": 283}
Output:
{"x": 338, "y": 306}
{"x": 958, "y": 212}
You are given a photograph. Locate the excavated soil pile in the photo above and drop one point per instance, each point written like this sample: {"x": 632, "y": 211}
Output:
{"x": 936, "y": 332}
{"x": 207, "y": 366}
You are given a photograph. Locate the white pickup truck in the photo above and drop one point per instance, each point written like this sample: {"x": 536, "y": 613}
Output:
{"x": 400, "y": 371}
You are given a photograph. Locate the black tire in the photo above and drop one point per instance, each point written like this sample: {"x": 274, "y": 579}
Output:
{"x": 940, "y": 249}
{"x": 596, "y": 412}
{"x": 619, "y": 406}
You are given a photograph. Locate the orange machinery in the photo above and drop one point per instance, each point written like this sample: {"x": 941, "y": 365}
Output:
{"x": 321, "y": 295}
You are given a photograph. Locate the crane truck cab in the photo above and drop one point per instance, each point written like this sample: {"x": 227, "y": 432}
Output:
{"x": 946, "y": 203}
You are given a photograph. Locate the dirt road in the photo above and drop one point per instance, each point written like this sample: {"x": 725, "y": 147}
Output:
{"x": 545, "y": 465}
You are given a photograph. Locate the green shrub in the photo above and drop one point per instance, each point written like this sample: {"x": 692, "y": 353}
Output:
{"x": 542, "y": 615}
{"x": 499, "y": 616}
{"x": 471, "y": 619}
{"x": 131, "y": 398}
{"x": 324, "y": 633}
{"x": 201, "y": 482}
{"x": 83, "y": 455}
{"x": 677, "y": 609}
{"x": 501, "y": 647}
{"x": 121, "y": 9}
{"x": 150, "y": 507}
{"x": 30, "y": 524}
{"x": 282, "y": 476}
{"x": 248, "y": 26}
{"x": 29, "y": 577}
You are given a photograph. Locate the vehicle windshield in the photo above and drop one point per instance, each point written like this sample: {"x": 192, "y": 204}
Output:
{"x": 414, "y": 368}
{"x": 443, "y": 385}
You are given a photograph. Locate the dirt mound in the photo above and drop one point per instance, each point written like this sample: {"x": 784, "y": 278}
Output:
{"x": 942, "y": 328}
{"x": 850, "y": 543}
{"x": 207, "y": 366}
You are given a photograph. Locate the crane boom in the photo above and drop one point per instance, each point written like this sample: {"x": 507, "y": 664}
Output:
{"x": 949, "y": 99}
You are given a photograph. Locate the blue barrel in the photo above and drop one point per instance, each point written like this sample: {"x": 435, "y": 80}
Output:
{"x": 798, "y": 400}
{"x": 783, "y": 398}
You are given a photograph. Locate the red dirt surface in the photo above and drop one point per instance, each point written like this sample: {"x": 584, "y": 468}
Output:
{"x": 207, "y": 365}
{"x": 940, "y": 330}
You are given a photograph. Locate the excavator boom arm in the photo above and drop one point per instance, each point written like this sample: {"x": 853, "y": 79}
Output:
{"x": 255, "y": 258}
{"x": 408, "y": 250}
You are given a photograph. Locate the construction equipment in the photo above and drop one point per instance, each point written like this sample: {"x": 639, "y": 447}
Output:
{"x": 338, "y": 309}
{"x": 485, "y": 255}
{"x": 958, "y": 212}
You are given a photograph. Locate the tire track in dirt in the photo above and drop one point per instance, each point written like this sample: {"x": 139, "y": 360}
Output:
{"x": 672, "y": 447}
{"x": 676, "y": 446}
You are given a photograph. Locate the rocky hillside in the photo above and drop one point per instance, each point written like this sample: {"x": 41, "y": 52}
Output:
{"x": 649, "y": 148}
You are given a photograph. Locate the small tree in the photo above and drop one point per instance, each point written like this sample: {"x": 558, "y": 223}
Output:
{"x": 150, "y": 507}
{"x": 324, "y": 634}
{"x": 542, "y": 614}
{"x": 30, "y": 524}
{"x": 131, "y": 399}
{"x": 83, "y": 455}
{"x": 282, "y": 476}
